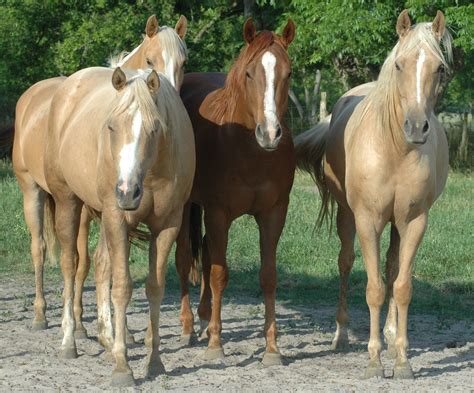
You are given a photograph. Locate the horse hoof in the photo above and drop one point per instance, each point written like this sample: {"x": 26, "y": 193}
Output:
{"x": 391, "y": 352}
{"x": 80, "y": 334}
{"x": 340, "y": 345}
{"x": 129, "y": 339}
{"x": 374, "y": 371}
{"x": 188, "y": 340}
{"x": 271, "y": 359}
{"x": 154, "y": 369}
{"x": 39, "y": 325}
{"x": 67, "y": 353}
{"x": 108, "y": 356}
{"x": 213, "y": 354}
{"x": 122, "y": 379}
{"x": 403, "y": 371}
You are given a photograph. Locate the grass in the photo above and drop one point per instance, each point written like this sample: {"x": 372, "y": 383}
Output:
{"x": 307, "y": 259}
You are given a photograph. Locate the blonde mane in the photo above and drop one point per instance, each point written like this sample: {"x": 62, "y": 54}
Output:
{"x": 384, "y": 98}
{"x": 170, "y": 41}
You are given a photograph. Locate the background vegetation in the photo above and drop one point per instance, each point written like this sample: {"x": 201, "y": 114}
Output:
{"x": 339, "y": 43}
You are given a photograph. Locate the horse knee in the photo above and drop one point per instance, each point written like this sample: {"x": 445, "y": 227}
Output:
{"x": 375, "y": 293}
{"x": 402, "y": 291}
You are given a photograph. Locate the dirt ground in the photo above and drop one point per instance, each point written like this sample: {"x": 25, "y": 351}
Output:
{"x": 442, "y": 352}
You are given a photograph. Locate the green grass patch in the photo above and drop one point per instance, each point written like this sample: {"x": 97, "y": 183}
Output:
{"x": 307, "y": 258}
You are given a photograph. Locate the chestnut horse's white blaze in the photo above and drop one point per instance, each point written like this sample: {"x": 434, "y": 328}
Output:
{"x": 419, "y": 68}
{"x": 269, "y": 105}
{"x": 129, "y": 151}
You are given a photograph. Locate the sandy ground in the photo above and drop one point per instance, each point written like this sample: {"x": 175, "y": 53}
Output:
{"x": 442, "y": 352}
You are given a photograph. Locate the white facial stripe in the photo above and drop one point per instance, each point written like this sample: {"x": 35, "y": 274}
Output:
{"x": 169, "y": 68}
{"x": 129, "y": 151}
{"x": 269, "y": 106}
{"x": 419, "y": 67}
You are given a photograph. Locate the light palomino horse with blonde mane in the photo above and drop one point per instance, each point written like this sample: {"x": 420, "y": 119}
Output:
{"x": 384, "y": 158}
{"x": 139, "y": 144}
{"x": 164, "y": 50}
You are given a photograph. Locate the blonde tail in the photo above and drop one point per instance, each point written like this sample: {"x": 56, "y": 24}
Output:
{"x": 310, "y": 148}
{"x": 49, "y": 231}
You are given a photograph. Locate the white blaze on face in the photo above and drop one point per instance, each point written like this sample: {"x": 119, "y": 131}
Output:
{"x": 129, "y": 151}
{"x": 419, "y": 67}
{"x": 169, "y": 68}
{"x": 269, "y": 106}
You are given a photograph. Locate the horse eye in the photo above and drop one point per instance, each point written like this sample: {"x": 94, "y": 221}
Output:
{"x": 289, "y": 74}
{"x": 247, "y": 74}
{"x": 397, "y": 67}
{"x": 441, "y": 68}
{"x": 149, "y": 62}
{"x": 111, "y": 129}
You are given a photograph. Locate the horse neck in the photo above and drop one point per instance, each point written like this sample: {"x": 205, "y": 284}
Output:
{"x": 237, "y": 113}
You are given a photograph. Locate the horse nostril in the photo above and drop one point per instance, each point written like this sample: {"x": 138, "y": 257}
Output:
{"x": 278, "y": 132}
{"x": 118, "y": 191}
{"x": 426, "y": 127}
{"x": 136, "y": 192}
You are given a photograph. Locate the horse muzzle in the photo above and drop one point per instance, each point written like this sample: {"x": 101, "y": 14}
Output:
{"x": 128, "y": 195}
{"x": 268, "y": 137}
{"x": 416, "y": 131}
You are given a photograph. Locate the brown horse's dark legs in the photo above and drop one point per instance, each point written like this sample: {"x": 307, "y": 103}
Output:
{"x": 346, "y": 233}
{"x": 270, "y": 225}
{"x": 183, "y": 259}
{"x": 391, "y": 272}
{"x": 205, "y": 308}
{"x": 217, "y": 228}
{"x": 82, "y": 271}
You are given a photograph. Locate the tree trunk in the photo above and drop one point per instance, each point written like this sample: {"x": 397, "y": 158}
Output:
{"x": 297, "y": 103}
{"x": 462, "y": 151}
{"x": 317, "y": 86}
{"x": 323, "y": 106}
{"x": 248, "y": 7}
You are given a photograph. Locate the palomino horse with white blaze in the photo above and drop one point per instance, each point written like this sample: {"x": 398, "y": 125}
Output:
{"x": 244, "y": 165}
{"x": 163, "y": 49}
{"x": 140, "y": 151}
{"x": 384, "y": 159}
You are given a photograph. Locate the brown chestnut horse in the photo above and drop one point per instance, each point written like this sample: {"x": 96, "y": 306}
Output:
{"x": 164, "y": 50}
{"x": 244, "y": 165}
{"x": 384, "y": 159}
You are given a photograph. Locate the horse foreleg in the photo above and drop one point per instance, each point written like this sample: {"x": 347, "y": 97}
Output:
{"x": 155, "y": 287}
{"x": 270, "y": 224}
{"x": 217, "y": 229}
{"x": 82, "y": 271}
{"x": 391, "y": 273}
{"x": 411, "y": 235}
{"x": 119, "y": 248}
{"x": 346, "y": 232}
{"x": 369, "y": 231}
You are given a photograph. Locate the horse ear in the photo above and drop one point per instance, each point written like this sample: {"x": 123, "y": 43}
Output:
{"x": 289, "y": 32}
{"x": 119, "y": 80}
{"x": 153, "y": 81}
{"x": 439, "y": 25}
{"x": 151, "y": 26}
{"x": 249, "y": 30}
{"x": 181, "y": 26}
{"x": 403, "y": 23}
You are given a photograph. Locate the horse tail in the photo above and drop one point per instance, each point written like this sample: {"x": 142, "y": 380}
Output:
{"x": 49, "y": 231}
{"x": 310, "y": 148}
{"x": 195, "y": 236}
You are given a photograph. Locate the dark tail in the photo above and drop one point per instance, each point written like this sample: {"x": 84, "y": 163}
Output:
{"x": 195, "y": 236}
{"x": 6, "y": 139}
{"x": 310, "y": 148}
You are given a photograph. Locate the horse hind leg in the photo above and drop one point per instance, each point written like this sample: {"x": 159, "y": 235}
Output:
{"x": 205, "y": 307}
{"x": 346, "y": 233}
{"x": 82, "y": 271}
{"x": 183, "y": 267}
{"x": 390, "y": 329}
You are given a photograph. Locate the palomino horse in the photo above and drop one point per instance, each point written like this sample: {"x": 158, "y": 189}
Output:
{"x": 139, "y": 145}
{"x": 384, "y": 158}
{"x": 163, "y": 49}
{"x": 245, "y": 165}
